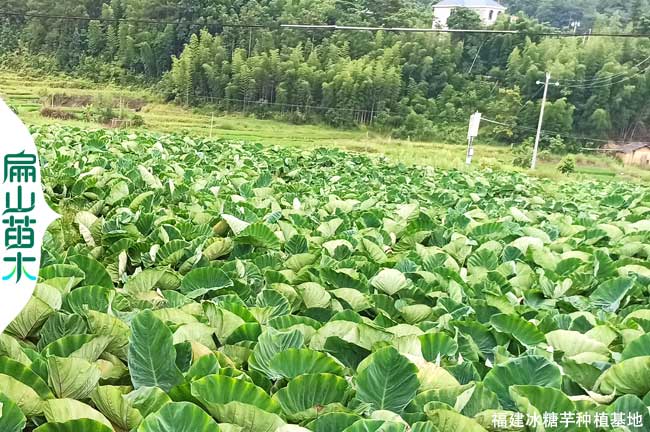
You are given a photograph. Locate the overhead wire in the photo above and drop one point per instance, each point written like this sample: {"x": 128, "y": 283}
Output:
{"x": 478, "y": 51}
{"x": 593, "y": 80}
{"x": 609, "y": 83}
{"x": 316, "y": 27}
{"x": 544, "y": 132}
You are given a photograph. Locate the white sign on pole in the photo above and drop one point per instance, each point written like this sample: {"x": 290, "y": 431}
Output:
{"x": 474, "y": 123}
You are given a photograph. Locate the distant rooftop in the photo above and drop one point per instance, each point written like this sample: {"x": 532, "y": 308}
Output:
{"x": 632, "y": 147}
{"x": 469, "y": 4}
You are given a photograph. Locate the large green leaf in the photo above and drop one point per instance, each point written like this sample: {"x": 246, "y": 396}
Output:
{"x": 218, "y": 248}
{"x": 201, "y": 281}
{"x": 527, "y": 370}
{"x": 195, "y": 332}
{"x": 450, "y": 421}
{"x": 631, "y": 376}
{"x": 179, "y": 417}
{"x": 215, "y": 390}
{"x": 94, "y": 297}
{"x": 269, "y": 344}
{"x": 32, "y": 317}
{"x": 639, "y": 347}
{"x": 388, "y": 381}
{"x": 94, "y": 271}
{"x": 305, "y": 396}
{"x": 260, "y": 235}
{"x": 636, "y": 412}
{"x": 431, "y": 376}
{"x": 424, "y": 427}
{"x": 147, "y": 400}
{"x": 72, "y": 377}
{"x": 479, "y": 398}
{"x": 151, "y": 279}
{"x": 390, "y": 281}
{"x": 573, "y": 343}
{"x": 87, "y": 347}
{"x": 520, "y": 329}
{"x": 11, "y": 417}
{"x": 111, "y": 402}
{"x": 25, "y": 375}
{"x": 333, "y": 422}
{"x": 609, "y": 294}
{"x": 10, "y": 348}
{"x": 367, "y": 425}
{"x": 107, "y": 325}
{"x": 534, "y": 401}
{"x": 437, "y": 344}
{"x": 293, "y": 362}
{"x": 85, "y": 425}
{"x": 249, "y": 417}
{"x": 63, "y": 410}
{"x": 151, "y": 353}
{"x": 24, "y": 396}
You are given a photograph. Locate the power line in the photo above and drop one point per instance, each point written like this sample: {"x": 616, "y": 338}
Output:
{"x": 594, "y": 80}
{"x": 326, "y": 27}
{"x": 469, "y": 31}
{"x": 544, "y": 132}
{"x": 611, "y": 83}
{"x": 478, "y": 51}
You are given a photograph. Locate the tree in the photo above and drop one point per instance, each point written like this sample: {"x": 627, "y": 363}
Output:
{"x": 96, "y": 38}
{"x": 464, "y": 18}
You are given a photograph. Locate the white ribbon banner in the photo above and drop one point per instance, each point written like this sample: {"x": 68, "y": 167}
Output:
{"x": 24, "y": 216}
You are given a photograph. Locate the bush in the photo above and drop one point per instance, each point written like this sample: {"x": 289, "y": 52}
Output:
{"x": 556, "y": 145}
{"x": 523, "y": 153}
{"x": 57, "y": 113}
{"x": 567, "y": 165}
{"x": 98, "y": 70}
{"x": 137, "y": 120}
{"x": 101, "y": 110}
{"x": 415, "y": 127}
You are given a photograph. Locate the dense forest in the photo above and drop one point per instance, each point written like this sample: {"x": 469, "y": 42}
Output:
{"x": 418, "y": 85}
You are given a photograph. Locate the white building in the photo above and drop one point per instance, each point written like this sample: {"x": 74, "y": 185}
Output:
{"x": 488, "y": 10}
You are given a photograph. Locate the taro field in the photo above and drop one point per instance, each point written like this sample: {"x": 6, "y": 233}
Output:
{"x": 198, "y": 285}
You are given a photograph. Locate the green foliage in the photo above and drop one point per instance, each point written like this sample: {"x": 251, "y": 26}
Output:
{"x": 464, "y": 18}
{"x": 523, "y": 153}
{"x": 106, "y": 108}
{"x": 567, "y": 165}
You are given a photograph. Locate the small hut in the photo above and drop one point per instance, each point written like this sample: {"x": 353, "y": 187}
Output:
{"x": 637, "y": 153}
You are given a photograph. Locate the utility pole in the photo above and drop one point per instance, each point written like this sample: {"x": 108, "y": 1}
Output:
{"x": 541, "y": 118}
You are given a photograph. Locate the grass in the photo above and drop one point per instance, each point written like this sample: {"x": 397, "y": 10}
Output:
{"x": 29, "y": 95}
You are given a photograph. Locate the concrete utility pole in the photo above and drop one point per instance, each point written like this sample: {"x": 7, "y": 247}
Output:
{"x": 541, "y": 117}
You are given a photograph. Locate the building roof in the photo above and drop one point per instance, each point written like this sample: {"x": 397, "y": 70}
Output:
{"x": 469, "y": 4}
{"x": 632, "y": 147}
